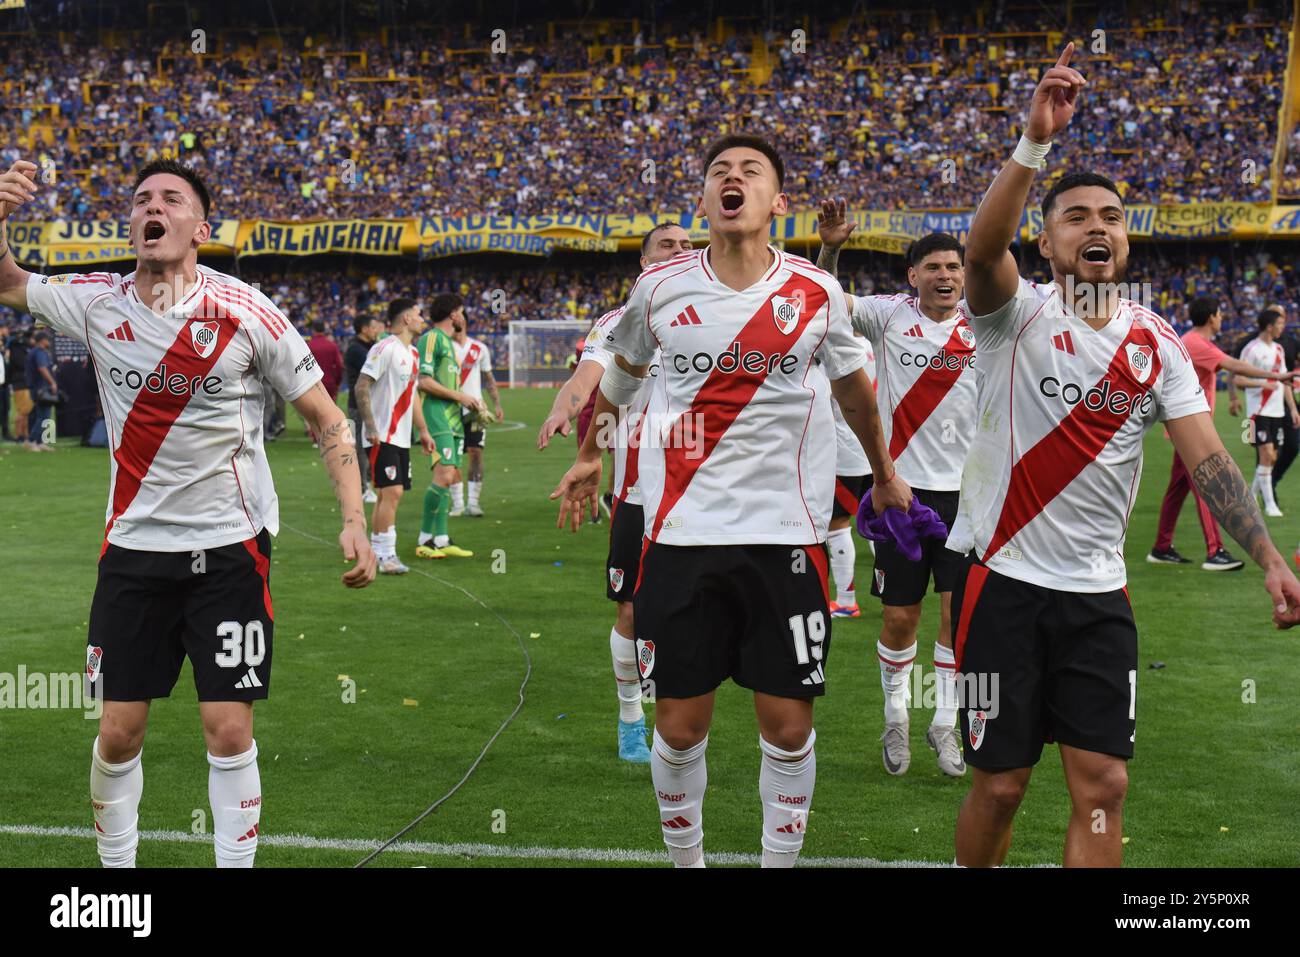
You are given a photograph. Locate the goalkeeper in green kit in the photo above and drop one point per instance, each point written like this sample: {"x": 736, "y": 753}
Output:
{"x": 439, "y": 390}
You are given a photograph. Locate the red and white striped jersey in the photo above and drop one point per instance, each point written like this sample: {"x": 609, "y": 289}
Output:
{"x": 395, "y": 369}
{"x": 183, "y": 396}
{"x": 626, "y": 448}
{"x": 1265, "y": 400}
{"x": 849, "y": 458}
{"x": 1053, "y": 470}
{"x": 925, "y": 386}
{"x": 475, "y": 358}
{"x": 737, "y": 444}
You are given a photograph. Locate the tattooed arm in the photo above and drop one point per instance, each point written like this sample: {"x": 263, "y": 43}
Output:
{"x": 490, "y": 387}
{"x": 364, "y": 382}
{"x": 338, "y": 452}
{"x": 1220, "y": 484}
{"x": 833, "y": 228}
{"x": 570, "y": 401}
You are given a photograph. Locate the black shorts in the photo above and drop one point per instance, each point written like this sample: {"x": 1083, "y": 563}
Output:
{"x": 390, "y": 465}
{"x": 897, "y": 581}
{"x": 1037, "y": 665}
{"x": 623, "y": 566}
{"x": 1267, "y": 429}
{"x": 473, "y": 437}
{"x": 758, "y": 614}
{"x": 849, "y": 490}
{"x": 151, "y": 609}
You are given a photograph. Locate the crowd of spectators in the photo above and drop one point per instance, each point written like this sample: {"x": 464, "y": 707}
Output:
{"x": 892, "y": 113}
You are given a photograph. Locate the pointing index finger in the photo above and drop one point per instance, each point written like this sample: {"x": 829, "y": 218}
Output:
{"x": 1064, "y": 59}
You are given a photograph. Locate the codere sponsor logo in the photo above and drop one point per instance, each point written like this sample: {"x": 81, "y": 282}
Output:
{"x": 751, "y": 362}
{"x": 943, "y": 359}
{"x": 159, "y": 381}
{"x": 1105, "y": 396}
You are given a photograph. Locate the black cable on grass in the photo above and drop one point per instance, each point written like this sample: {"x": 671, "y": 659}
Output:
{"x": 528, "y": 673}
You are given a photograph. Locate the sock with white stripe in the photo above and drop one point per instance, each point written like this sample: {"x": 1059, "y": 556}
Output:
{"x": 945, "y": 687}
{"x": 785, "y": 783}
{"x": 623, "y": 650}
{"x": 475, "y": 490}
{"x": 1264, "y": 481}
{"x": 680, "y": 778}
{"x": 843, "y": 557}
{"x": 457, "y": 497}
{"x": 235, "y": 793}
{"x": 895, "y": 670}
{"x": 115, "y": 791}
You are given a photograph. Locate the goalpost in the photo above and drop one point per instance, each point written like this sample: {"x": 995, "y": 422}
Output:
{"x": 541, "y": 349}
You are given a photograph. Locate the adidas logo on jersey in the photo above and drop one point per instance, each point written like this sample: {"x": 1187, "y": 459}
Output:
{"x": 122, "y": 333}
{"x": 689, "y": 317}
{"x": 752, "y": 362}
{"x": 249, "y": 680}
{"x": 915, "y": 332}
{"x": 159, "y": 381}
{"x": 1116, "y": 400}
{"x": 1063, "y": 342}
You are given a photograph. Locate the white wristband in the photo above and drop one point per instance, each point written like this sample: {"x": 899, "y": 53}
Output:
{"x": 1031, "y": 154}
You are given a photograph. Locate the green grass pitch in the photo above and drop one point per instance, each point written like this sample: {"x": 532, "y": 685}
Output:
{"x": 1213, "y": 782}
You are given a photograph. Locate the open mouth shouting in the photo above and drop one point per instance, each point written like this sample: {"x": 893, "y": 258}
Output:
{"x": 154, "y": 231}
{"x": 733, "y": 200}
{"x": 945, "y": 289}
{"x": 1097, "y": 253}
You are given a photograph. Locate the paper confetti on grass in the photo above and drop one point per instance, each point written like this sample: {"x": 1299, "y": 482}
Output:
{"x": 410, "y": 702}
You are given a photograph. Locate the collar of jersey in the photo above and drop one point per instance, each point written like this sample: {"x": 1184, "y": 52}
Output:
{"x": 183, "y": 308}
{"x": 1072, "y": 315}
{"x": 777, "y": 262}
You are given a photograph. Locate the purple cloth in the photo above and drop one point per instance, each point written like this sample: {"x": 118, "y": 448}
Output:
{"x": 904, "y": 529}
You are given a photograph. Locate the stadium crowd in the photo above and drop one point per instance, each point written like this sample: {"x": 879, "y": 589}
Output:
{"x": 891, "y": 113}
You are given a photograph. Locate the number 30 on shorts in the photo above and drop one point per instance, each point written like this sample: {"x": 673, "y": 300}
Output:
{"x": 814, "y": 633}
{"x": 241, "y": 644}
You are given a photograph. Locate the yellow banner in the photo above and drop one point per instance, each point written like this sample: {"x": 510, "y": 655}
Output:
{"x": 65, "y": 243}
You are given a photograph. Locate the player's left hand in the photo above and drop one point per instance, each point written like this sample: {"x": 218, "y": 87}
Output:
{"x": 893, "y": 494}
{"x": 427, "y": 443}
{"x": 501, "y": 416}
{"x": 579, "y": 487}
{"x": 1234, "y": 406}
{"x": 833, "y": 224}
{"x": 356, "y": 547}
{"x": 1285, "y": 591}
{"x": 1295, "y": 420}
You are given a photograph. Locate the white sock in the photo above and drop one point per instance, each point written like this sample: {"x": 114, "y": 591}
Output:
{"x": 442, "y": 541}
{"x": 457, "y": 497}
{"x": 623, "y": 650}
{"x": 680, "y": 778}
{"x": 115, "y": 797}
{"x": 785, "y": 783}
{"x": 843, "y": 557}
{"x": 390, "y": 542}
{"x": 945, "y": 688}
{"x": 377, "y": 544}
{"x": 1264, "y": 479}
{"x": 235, "y": 793}
{"x": 425, "y": 538}
{"x": 475, "y": 490}
{"x": 895, "y": 670}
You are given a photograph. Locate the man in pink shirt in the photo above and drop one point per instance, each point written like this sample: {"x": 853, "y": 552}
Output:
{"x": 1208, "y": 359}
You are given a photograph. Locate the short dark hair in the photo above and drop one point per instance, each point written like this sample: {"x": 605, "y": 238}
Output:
{"x": 41, "y": 335}
{"x": 1201, "y": 309}
{"x": 1267, "y": 316}
{"x": 1074, "y": 181}
{"x": 443, "y": 306}
{"x": 399, "y": 306}
{"x": 933, "y": 243}
{"x": 187, "y": 173}
{"x": 749, "y": 141}
{"x": 658, "y": 227}
{"x": 360, "y": 321}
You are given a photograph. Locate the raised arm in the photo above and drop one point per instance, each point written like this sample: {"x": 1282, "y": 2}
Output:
{"x": 16, "y": 189}
{"x": 338, "y": 452}
{"x": 1220, "y": 484}
{"x": 833, "y": 228}
{"x": 991, "y": 272}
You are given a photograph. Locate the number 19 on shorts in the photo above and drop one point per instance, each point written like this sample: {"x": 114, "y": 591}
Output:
{"x": 812, "y": 634}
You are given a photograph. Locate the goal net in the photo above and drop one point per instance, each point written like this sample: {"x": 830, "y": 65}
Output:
{"x": 541, "y": 350}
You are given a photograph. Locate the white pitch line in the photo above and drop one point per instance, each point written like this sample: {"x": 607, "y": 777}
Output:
{"x": 591, "y": 855}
